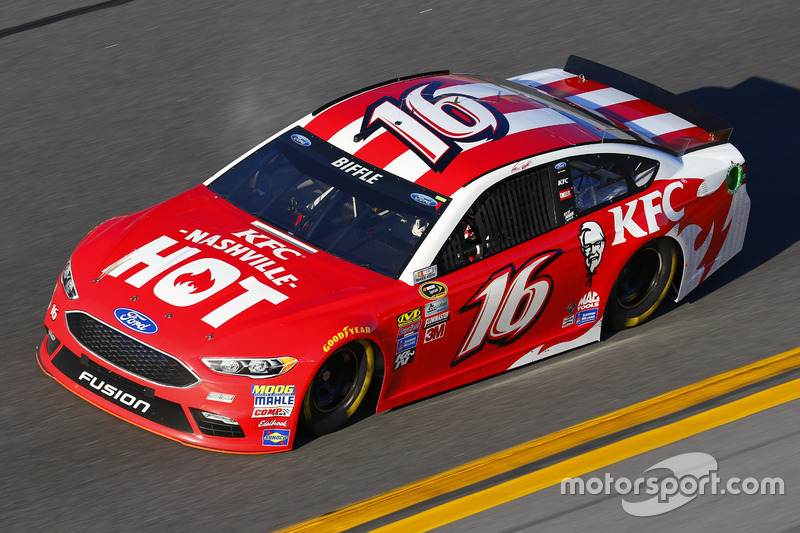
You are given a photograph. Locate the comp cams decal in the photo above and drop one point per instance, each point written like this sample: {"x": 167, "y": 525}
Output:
{"x": 508, "y": 304}
{"x": 187, "y": 283}
{"x": 272, "y": 400}
{"x": 433, "y": 121}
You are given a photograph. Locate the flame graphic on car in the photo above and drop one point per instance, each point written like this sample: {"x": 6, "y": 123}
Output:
{"x": 195, "y": 282}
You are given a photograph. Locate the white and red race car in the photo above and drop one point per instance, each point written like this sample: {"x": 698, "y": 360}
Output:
{"x": 408, "y": 238}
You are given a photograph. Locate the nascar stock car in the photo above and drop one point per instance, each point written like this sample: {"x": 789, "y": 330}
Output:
{"x": 402, "y": 240}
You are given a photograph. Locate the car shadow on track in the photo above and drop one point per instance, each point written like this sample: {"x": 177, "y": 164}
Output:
{"x": 765, "y": 117}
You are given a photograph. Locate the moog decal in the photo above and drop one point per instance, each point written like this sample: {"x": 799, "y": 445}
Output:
{"x": 508, "y": 304}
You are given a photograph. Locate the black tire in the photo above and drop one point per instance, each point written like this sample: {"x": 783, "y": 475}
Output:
{"x": 642, "y": 284}
{"x": 338, "y": 388}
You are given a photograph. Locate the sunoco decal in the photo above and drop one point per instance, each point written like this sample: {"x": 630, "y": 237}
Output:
{"x": 276, "y": 437}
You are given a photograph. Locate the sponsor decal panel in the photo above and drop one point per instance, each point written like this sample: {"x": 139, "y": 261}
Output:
{"x": 272, "y": 400}
{"x": 407, "y": 341}
{"x": 436, "y": 319}
{"x": 436, "y": 306}
{"x": 590, "y": 300}
{"x": 425, "y": 274}
{"x": 276, "y": 437}
{"x": 435, "y": 332}
{"x": 408, "y": 329}
{"x": 586, "y": 317}
{"x": 652, "y": 204}
{"x": 568, "y": 321}
{"x": 409, "y": 317}
{"x": 404, "y": 357}
{"x": 273, "y": 423}
{"x": 565, "y": 194}
{"x": 433, "y": 290}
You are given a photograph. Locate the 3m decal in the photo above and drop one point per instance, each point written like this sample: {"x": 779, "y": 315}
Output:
{"x": 435, "y": 332}
{"x": 409, "y": 317}
{"x": 623, "y": 220}
{"x": 346, "y": 333}
{"x": 433, "y": 290}
{"x": 432, "y": 121}
{"x": 508, "y": 304}
{"x": 276, "y": 437}
{"x": 404, "y": 357}
{"x": 593, "y": 243}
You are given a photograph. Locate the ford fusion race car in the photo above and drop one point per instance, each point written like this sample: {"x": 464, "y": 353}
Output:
{"x": 403, "y": 240}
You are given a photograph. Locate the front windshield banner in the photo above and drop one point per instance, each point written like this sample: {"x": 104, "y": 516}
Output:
{"x": 324, "y": 196}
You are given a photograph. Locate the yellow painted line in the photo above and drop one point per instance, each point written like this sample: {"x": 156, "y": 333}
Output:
{"x": 534, "y": 450}
{"x": 596, "y": 459}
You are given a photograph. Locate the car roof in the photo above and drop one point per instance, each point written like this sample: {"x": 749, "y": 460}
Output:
{"x": 520, "y": 125}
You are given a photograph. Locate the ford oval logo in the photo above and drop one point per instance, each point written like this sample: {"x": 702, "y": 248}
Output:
{"x": 135, "y": 320}
{"x": 302, "y": 140}
{"x": 424, "y": 199}
{"x": 561, "y": 166}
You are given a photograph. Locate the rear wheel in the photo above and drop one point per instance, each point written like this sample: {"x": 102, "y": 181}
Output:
{"x": 338, "y": 388}
{"x": 642, "y": 284}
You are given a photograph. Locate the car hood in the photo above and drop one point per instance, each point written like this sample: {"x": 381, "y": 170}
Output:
{"x": 211, "y": 279}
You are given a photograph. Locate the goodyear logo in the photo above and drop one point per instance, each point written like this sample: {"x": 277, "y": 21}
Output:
{"x": 409, "y": 317}
{"x": 261, "y": 390}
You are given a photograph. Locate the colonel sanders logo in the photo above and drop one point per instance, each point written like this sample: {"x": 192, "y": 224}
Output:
{"x": 593, "y": 242}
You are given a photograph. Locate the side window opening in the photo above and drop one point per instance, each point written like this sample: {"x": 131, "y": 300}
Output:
{"x": 600, "y": 179}
{"x": 510, "y": 213}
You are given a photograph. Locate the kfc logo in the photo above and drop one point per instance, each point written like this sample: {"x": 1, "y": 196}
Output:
{"x": 593, "y": 242}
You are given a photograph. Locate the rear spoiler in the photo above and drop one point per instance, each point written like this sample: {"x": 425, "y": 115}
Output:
{"x": 718, "y": 131}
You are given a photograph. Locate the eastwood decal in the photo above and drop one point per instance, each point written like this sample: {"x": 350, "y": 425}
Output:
{"x": 276, "y": 437}
{"x": 593, "y": 242}
{"x": 344, "y": 334}
{"x": 409, "y": 317}
{"x": 433, "y": 290}
{"x": 135, "y": 320}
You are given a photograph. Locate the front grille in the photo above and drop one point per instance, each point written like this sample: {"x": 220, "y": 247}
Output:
{"x": 215, "y": 429}
{"x": 128, "y": 353}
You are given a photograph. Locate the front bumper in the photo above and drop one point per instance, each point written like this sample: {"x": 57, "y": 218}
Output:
{"x": 227, "y": 415}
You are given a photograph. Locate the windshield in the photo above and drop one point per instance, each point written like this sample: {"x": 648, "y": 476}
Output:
{"x": 304, "y": 186}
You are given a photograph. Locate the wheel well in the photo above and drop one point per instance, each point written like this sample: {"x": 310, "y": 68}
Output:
{"x": 678, "y": 279}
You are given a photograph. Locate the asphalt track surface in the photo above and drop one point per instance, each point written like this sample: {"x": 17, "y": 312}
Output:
{"x": 110, "y": 107}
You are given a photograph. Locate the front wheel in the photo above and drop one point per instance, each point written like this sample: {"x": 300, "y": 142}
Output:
{"x": 338, "y": 388}
{"x": 642, "y": 284}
